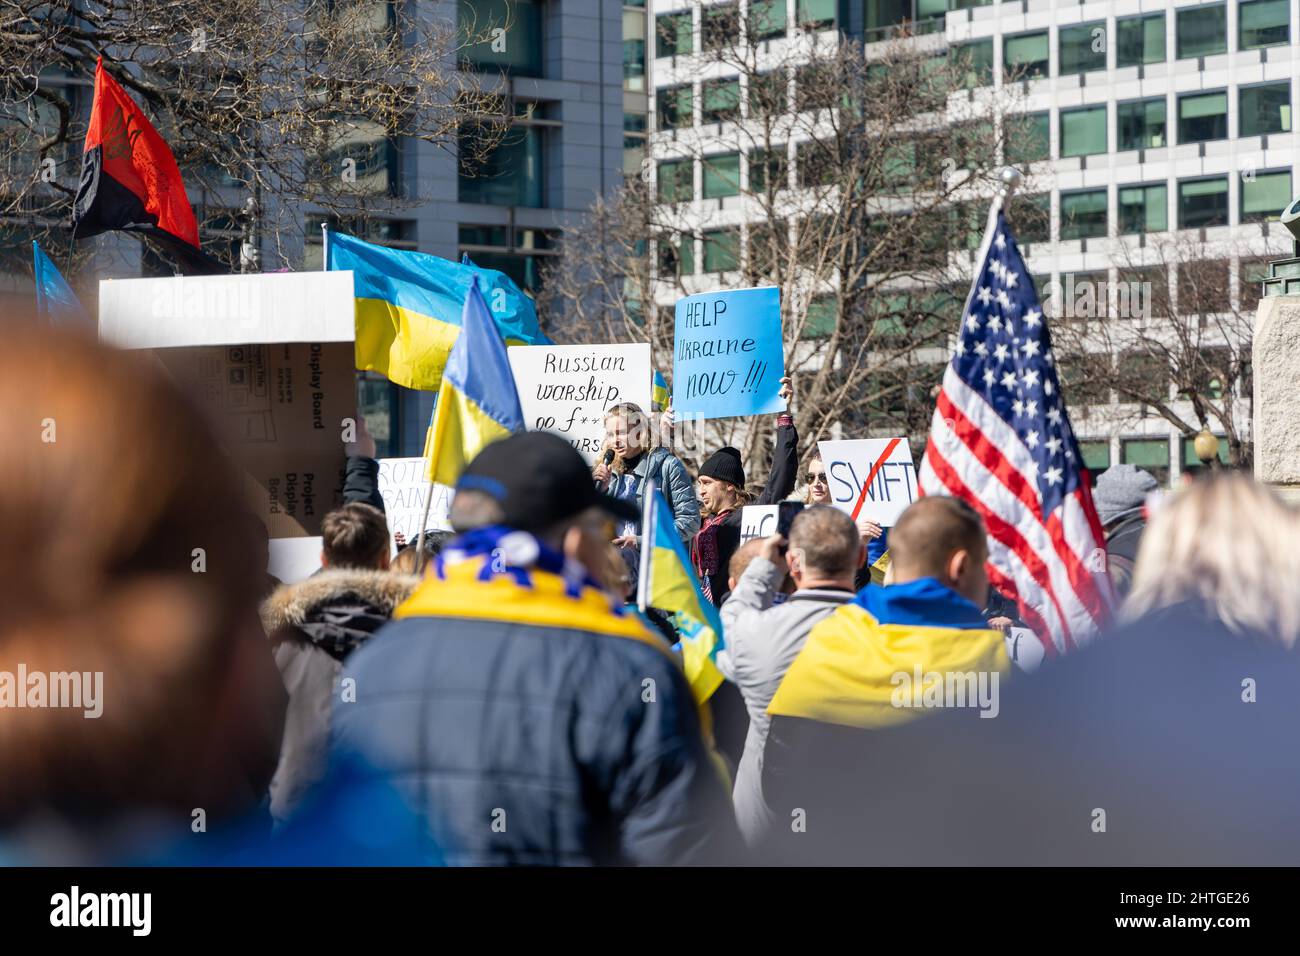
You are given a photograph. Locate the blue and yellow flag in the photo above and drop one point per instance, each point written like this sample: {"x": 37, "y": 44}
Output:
{"x": 408, "y": 308}
{"x": 477, "y": 401}
{"x": 668, "y": 582}
{"x": 659, "y": 396}
{"x": 888, "y": 643}
{"x": 56, "y": 303}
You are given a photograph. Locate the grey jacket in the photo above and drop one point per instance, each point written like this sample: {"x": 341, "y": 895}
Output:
{"x": 314, "y": 625}
{"x": 762, "y": 642}
{"x": 671, "y": 477}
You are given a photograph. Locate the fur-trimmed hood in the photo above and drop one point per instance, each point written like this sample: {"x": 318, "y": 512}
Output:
{"x": 301, "y": 604}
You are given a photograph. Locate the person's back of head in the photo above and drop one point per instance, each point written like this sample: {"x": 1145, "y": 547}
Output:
{"x": 404, "y": 562}
{"x": 537, "y": 484}
{"x": 1227, "y": 545}
{"x": 941, "y": 537}
{"x": 132, "y": 578}
{"x": 741, "y": 559}
{"x": 355, "y": 536}
{"x": 825, "y": 548}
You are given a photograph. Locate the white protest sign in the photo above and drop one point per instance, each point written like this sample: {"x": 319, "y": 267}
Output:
{"x": 883, "y": 465}
{"x": 404, "y": 485}
{"x": 567, "y": 388}
{"x": 758, "y": 521}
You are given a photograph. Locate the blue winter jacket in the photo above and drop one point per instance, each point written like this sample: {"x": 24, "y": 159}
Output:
{"x": 528, "y": 724}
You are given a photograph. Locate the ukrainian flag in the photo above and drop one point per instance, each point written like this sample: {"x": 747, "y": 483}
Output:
{"x": 668, "y": 583}
{"x": 477, "y": 401}
{"x": 659, "y": 397}
{"x": 857, "y": 661}
{"x": 55, "y": 300}
{"x": 408, "y": 308}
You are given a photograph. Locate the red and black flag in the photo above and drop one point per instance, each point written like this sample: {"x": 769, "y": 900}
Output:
{"x": 129, "y": 180}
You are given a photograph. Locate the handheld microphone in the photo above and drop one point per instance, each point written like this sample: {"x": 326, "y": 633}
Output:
{"x": 609, "y": 457}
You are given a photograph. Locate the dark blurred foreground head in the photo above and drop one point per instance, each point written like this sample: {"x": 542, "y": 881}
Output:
{"x": 123, "y": 555}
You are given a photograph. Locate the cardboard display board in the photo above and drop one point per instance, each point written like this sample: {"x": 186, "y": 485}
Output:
{"x": 279, "y": 404}
{"x": 280, "y": 410}
{"x": 883, "y": 465}
{"x": 728, "y": 357}
{"x": 404, "y": 484}
{"x": 567, "y": 388}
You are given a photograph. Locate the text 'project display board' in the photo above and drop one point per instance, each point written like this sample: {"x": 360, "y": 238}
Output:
{"x": 870, "y": 477}
{"x": 270, "y": 358}
{"x": 728, "y": 357}
{"x": 567, "y": 389}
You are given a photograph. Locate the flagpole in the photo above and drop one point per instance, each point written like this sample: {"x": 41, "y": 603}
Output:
{"x": 428, "y": 501}
{"x": 324, "y": 246}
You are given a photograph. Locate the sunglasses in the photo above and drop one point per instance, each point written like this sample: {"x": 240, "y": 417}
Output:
{"x": 817, "y": 477}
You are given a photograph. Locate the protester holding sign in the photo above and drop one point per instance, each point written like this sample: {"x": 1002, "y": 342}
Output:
{"x": 722, "y": 495}
{"x": 627, "y": 437}
{"x": 818, "y": 492}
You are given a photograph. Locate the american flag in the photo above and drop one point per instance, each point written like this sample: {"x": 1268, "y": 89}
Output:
{"x": 1001, "y": 440}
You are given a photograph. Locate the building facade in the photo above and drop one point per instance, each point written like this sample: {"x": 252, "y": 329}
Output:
{"x": 1152, "y": 124}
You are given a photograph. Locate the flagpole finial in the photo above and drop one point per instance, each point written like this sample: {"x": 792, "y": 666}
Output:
{"x": 1010, "y": 178}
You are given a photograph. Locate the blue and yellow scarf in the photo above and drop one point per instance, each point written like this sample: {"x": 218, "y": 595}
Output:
{"x": 503, "y": 574}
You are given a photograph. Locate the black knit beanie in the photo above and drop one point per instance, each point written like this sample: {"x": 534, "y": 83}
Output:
{"x": 724, "y": 465}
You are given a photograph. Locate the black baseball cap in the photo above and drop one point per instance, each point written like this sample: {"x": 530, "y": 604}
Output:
{"x": 538, "y": 479}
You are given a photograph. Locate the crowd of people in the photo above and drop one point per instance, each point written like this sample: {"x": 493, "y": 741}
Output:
{"x": 494, "y": 696}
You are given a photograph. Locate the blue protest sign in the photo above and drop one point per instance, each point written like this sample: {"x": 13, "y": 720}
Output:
{"x": 727, "y": 354}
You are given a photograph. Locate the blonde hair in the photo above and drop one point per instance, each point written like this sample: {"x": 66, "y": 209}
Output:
{"x": 816, "y": 455}
{"x": 1228, "y": 544}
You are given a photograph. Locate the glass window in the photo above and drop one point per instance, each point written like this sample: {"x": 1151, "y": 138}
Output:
{"x": 508, "y": 175}
{"x": 1264, "y": 196}
{"x": 1190, "y": 458}
{"x": 1096, "y": 455}
{"x": 1143, "y": 209}
{"x": 507, "y": 34}
{"x": 766, "y": 19}
{"x": 821, "y": 317}
{"x": 1083, "y": 48}
{"x": 633, "y": 50}
{"x": 1140, "y": 40}
{"x": 719, "y": 26}
{"x": 1265, "y": 109}
{"x": 1083, "y": 214}
{"x": 1263, "y": 23}
{"x": 1202, "y": 31}
{"x": 721, "y": 177}
{"x": 883, "y": 14}
{"x": 815, "y": 163}
{"x": 674, "y": 34}
{"x": 1203, "y": 202}
{"x": 930, "y": 10}
{"x": 675, "y": 105}
{"x": 1141, "y": 124}
{"x": 975, "y": 61}
{"x": 1032, "y": 218}
{"x": 1202, "y": 116}
{"x": 1026, "y": 55}
{"x": 814, "y": 13}
{"x": 1083, "y": 131}
{"x": 767, "y": 167}
{"x": 677, "y": 181}
{"x": 767, "y": 94}
{"x": 1029, "y": 138}
{"x": 1151, "y": 454}
{"x": 719, "y": 101}
{"x": 721, "y": 250}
